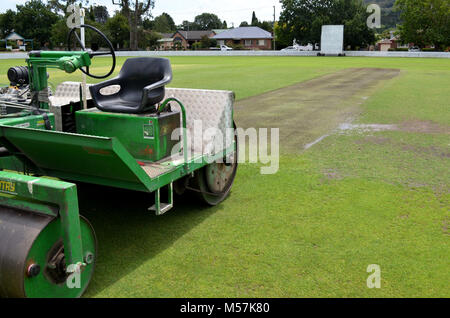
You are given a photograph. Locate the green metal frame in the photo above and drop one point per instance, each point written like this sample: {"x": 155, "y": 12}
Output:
{"x": 39, "y": 61}
{"x": 62, "y": 155}
{"x": 183, "y": 119}
{"x": 50, "y": 197}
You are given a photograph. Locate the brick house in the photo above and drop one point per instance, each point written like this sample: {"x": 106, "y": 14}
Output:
{"x": 252, "y": 38}
{"x": 166, "y": 42}
{"x": 385, "y": 45}
{"x": 187, "y": 38}
{"x": 393, "y": 42}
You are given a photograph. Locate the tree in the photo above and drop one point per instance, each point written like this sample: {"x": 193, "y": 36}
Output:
{"x": 95, "y": 16}
{"x": 99, "y": 14}
{"x": 149, "y": 39}
{"x": 207, "y": 21}
{"x": 244, "y": 24}
{"x": 425, "y": 22}
{"x": 389, "y": 16}
{"x": 255, "y": 21}
{"x": 7, "y": 22}
{"x": 164, "y": 24}
{"x": 60, "y": 32}
{"x": 185, "y": 26}
{"x": 118, "y": 30}
{"x": 224, "y": 25}
{"x": 60, "y": 6}
{"x": 207, "y": 42}
{"x": 303, "y": 20}
{"x": 148, "y": 24}
{"x": 266, "y": 25}
{"x": 33, "y": 20}
{"x": 135, "y": 10}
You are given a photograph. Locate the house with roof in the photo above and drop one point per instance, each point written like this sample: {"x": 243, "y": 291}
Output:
{"x": 217, "y": 31}
{"x": 166, "y": 42}
{"x": 392, "y": 42}
{"x": 19, "y": 41}
{"x": 186, "y": 39}
{"x": 252, "y": 38}
{"x": 385, "y": 45}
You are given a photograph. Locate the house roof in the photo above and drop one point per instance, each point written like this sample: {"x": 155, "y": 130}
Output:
{"x": 166, "y": 35}
{"x": 193, "y": 35}
{"x": 385, "y": 41}
{"x": 165, "y": 40}
{"x": 217, "y": 31}
{"x": 243, "y": 33}
{"x": 14, "y": 37}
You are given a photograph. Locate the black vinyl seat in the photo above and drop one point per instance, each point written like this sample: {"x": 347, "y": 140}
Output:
{"x": 142, "y": 85}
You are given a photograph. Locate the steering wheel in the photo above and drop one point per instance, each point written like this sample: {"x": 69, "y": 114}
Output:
{"x": 91, "y": 53}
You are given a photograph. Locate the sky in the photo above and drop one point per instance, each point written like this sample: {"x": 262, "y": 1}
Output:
{"x": 233, "y": 11}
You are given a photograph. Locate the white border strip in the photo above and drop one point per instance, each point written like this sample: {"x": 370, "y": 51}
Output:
{"x": 22, "y": 55}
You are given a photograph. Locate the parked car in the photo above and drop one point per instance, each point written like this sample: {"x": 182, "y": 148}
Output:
{"x": 289, "y": 49}
{"x": 225, "y": 48}
{"x": 414, "y": 49}
{"x": 294, "y": 48}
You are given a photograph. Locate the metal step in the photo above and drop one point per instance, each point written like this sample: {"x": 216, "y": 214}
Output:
{"x": 161, "y": 208}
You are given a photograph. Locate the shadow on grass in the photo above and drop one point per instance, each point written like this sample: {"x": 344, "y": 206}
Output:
{"x": 128, "y": 234}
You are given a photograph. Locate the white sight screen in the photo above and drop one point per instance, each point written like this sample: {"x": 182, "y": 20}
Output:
{"x": 332, "y": 39}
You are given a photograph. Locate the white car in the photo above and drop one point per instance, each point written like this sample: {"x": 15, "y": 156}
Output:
{"x": 414, "y": 49}
{"x": 308, "y": 47}
{"x": 294, "y": 48}
{"x": 289, "y": 49}
{"x": 225, "y": 48}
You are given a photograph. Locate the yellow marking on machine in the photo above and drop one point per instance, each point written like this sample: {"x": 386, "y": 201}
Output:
{"x": 7, "y": 187}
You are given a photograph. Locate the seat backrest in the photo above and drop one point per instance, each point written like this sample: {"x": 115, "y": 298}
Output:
{"x": 137, "y": 73}
{"x": 142, "y": 85}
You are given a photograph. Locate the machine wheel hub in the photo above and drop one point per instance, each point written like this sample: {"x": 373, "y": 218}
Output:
{"x": 218, "y": 176}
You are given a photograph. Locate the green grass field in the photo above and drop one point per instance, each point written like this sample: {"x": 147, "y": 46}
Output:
{"x": 353, "y": 199}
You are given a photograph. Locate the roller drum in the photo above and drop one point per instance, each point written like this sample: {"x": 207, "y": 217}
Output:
{"x": 32, "y": 259}
{"x": 18, "y": 232}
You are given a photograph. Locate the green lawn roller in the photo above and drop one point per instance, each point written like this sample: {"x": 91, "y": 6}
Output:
{"x": 131, "y": 133}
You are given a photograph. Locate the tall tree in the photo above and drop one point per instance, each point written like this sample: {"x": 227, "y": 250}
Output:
{"x": 185, "y": 25}
{"x": 7, "y": 21}
{"x": 303, "y": 20}
{"x": 60, "y": 6}
{"x": 135, "y": 10}
{"x": 207, "y": 21}
{"x": 149, "y": 39}
{"x": 425, "y": 22}
{"x": 389, "y": 16}
{"x": 255, "y": 21}
{"x": 100, "y": 14}
{"x": 33, "y": 20}
{"x": 164, "y": 24}
{"x": 59, "y": 33}
{"x": 266, "y": 25}
{"x": 118, "y": 30}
